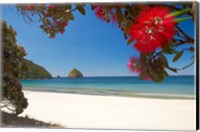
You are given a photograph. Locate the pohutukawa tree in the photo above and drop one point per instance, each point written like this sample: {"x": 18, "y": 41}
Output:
{"x": 12, "y": 98}
{"x": 153, "y": 30}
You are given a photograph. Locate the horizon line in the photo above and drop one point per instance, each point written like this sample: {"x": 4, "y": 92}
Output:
{"x": 121, "y": 76}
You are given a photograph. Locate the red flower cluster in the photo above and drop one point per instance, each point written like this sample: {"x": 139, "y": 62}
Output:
{"x": 101, "y": 14}
{"x": 147, "y": 77}
{"x": 152, "y": 29}
{"x": 29, "y": 7}
{"x": 64, "y": 24}
{"x": 51, "y": 6}
{"x": 132, "y": 65}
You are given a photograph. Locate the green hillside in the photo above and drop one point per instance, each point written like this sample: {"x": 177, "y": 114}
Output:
{"x": 34, "y": 71}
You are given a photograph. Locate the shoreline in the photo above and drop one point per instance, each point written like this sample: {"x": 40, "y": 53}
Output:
{"x": 111, "y": 112}
{"x": 116, "y": 93}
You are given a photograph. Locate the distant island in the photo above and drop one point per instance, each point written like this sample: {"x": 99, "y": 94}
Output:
{"x": 75, "y": 73}
{"x": 34, "y": 71}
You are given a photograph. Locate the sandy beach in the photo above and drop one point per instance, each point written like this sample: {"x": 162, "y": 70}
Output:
{"x": 110, "y": 112}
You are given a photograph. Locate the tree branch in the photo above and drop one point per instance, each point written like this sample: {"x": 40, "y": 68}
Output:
{"x": 173, "y": 7}
{"x": 73, "y": 9}
{"x": 190, "y": 40}
{"x": 40, "y": 16}
{"x": 183, "y": 68}
{"x": 6, "y": 105}
{"x": 25, "y": 15}
{"x": 129, "y": 11}
{"x": 181, "y": 43}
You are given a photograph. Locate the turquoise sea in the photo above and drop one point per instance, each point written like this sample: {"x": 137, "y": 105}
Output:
{"x": 182, "y": 87}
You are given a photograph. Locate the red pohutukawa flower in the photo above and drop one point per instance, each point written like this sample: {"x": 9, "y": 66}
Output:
{"x": 29, "y": 7}
{"x": 62, "y": 31}
{"x": 64, "y": 24}
{"x": 51, "y": 6}
{"x": 114, "y": 18}
{"x": 152, "y": 29}
{"x": 132, "y": 65}
{"x": 99, "y": 12}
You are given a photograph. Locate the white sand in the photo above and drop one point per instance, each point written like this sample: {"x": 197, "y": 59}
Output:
{"x": 91, "y": 111}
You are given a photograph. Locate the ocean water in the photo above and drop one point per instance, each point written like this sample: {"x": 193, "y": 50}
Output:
{"x": 172, "y": 87}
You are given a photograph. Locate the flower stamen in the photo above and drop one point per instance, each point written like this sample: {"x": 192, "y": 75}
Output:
{"x": 152, "y": 29}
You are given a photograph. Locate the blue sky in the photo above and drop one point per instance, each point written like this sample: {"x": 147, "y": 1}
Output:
{"x": 89, "y": 44}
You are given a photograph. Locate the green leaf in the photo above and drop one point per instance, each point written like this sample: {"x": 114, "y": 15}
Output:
{"x": 163, "y": 60}
{"x": 165, "y": 74}
{"x": 129, "y": 42}
{"x": 65, "y": 17}
{"x": 71, "y": 16}
{"x": 119, "y": 15}
{"x": 68, "y": 6}
{"x": 143, "y": 58}
{"x": 155, "y": 77}
{"x": 179, "y": 13}
{"x": 81, "y": 9}
{"x": 143, "y": 75}
{"x": 127, "y": 27}
{"x": 178, "y": 55}
{"x": 177, "y": 20}
{"x": 57, "y": 15}
{"x": 169, "y": 50}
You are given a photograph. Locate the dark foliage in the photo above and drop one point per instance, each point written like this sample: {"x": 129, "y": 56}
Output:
{"x": 13, "y": 62}
{"x": 10, "y": 120}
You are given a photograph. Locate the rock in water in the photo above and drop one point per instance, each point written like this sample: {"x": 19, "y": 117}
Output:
{"x": 75, "y": 73}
